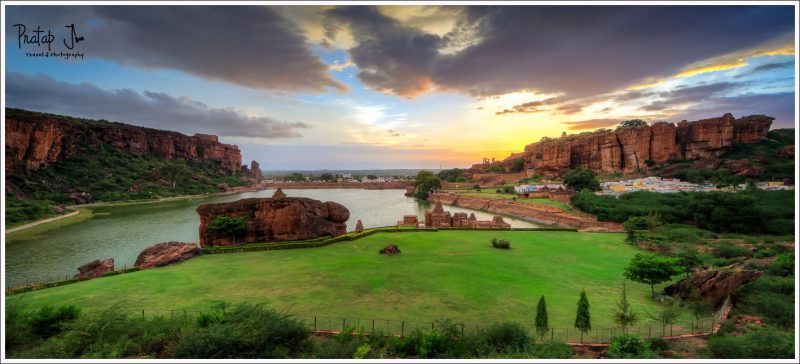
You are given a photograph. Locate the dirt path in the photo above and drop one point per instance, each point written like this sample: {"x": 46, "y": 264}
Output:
{"x": 42, "y": 221}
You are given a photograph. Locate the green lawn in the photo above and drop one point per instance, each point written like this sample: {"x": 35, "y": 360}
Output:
{"x": 444, "y": 274}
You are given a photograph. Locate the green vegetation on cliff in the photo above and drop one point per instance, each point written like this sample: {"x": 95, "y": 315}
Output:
{"x": 109, "y": 174}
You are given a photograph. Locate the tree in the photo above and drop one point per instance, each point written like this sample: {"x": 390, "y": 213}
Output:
{"x": 631, "y": 123}
{"x": 372, "y": 176}
{"x": 652, "y": 269}
{"x": 424, "y": 182}
{"x": 689, "y": 259}
{"x": 541, "y": 318}
{"x": 450, "y": 175}
{"x": 583, "y": 321}
{"x": 624, "y": 314}
{"x": 580, "y": 179}
{"x": 668, "y": 315}
{"x": 175, "y": 173}
{"x": 517, "y": 165}
{"x": 226, "y": 225}
{"x": 295, "y": 177}
{"x": 327, "y": 177}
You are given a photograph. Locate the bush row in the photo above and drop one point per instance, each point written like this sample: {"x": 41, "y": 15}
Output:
{"x": 36, "y": 287}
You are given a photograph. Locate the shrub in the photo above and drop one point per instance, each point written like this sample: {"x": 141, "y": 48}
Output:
{"x": 783, "y": 265}
{"x": 476, "y": 187}
{"x": 554, "y": 350}
{"x": 509, "y": 189}
{"x": 641, "y": 223}
{"x": 729, "y": 251}
{"x": 659, "y": 344}
{"x": 506, "y": 337}
{"x": 501, "y": 243}
{"x": 48, "y": 321}
{"x": 629, "y": 346}
{"x": 763, "y": 343}
{"x": 247, "y": 331}
{"x": 770, "y": 297}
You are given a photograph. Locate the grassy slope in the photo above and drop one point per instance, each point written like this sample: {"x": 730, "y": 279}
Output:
{"x": 453, "y": 274}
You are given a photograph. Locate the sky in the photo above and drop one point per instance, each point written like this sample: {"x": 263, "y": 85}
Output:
{"x": 381, "y": 87}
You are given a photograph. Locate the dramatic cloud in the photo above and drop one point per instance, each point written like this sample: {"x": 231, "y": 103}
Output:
{"x": 391, "y": 57}
{"x": 591, "y": 124}
{"x": 575, "y": 50}
{"x": 150, "y": 109}
{"x": 689, "y": 95}
{"x": 251, "y": 46}
{"x": 777, "y": 105}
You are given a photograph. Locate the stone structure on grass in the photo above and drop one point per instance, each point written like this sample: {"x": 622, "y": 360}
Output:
{"x": 359, "y": 226}
{"x": 441, "y": 218}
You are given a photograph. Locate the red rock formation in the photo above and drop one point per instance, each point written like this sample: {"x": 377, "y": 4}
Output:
{"x": 271, "y": 219}
{"x": 628, "y": 149}
{"x": 255, "y": 170}
{"x": 35, "y": 141}
{"x": 162, "y": 254}
{"x": 714, "y": 285}
{"x": 359, "y": 226}
{"x": 95, "y": 268}
{"x": 635, "y": 142}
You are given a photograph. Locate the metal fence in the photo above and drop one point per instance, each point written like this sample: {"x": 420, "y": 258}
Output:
{"x": 332, "y": 324}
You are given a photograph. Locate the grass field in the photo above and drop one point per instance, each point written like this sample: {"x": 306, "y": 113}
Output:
{"x": 445, "y": 274}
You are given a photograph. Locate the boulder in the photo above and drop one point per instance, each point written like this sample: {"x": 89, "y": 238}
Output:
{"x": 162, "y": 254}
{"x": 223, "y": 187}
{"x": 708, "y": 163}
{"x": 742, "y": 167}
{"x": 713, "y": 285}
{"x": 95, "y": 268}
{"x": 359, "y": 226}
{"x": 274, "y": 219}
{"x": 390, "y": 249}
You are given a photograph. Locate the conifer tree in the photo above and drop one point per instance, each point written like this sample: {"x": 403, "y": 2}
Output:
{"x": 583, "y": 321}
{"x": 541, "y": 318}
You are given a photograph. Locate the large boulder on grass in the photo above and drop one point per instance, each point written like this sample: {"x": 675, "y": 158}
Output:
{"x": 166, "y": 253}
{"x": 272, "y": 219}
{"x": 95, "y": 268}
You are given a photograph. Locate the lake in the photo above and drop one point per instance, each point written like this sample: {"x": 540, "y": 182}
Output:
{"x": 123, "y": 231}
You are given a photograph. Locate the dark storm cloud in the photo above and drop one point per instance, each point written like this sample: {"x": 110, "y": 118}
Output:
{"x": 578, "y": 50}
{"x": 151, "y": 109}
{"x": 251, "y": 46}
{"x": 391, "y": 57}
{"x": 687, "y": 95}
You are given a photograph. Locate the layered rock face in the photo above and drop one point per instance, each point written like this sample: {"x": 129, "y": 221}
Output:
{"x": 95, "y": 268}
{"x": 35, "y": 141}
{"x": 274, "y": 219}
{"x": 631, "y": 149}
{"x": 255, "y": 170}
{"x": 162, "y": 254}
{"x": 713, "y": 285}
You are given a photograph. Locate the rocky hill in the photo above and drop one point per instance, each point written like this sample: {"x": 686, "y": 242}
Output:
{"x": 56, "y": 160}
{"x": 632, "y": 149}
{"x": 36, "y": 140}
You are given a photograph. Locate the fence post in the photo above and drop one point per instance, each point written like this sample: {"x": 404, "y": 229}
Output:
{"x": 692, "y": 327}
{"x": 373, "y": 326}
{"x": 402, "y": 328}
{"x": 670, "y": 329}
{"x": 315, "y": 323}
{"x": 431, "y": 326}
{"x": 649, "y": 331}
{"x": 552, "y": 334}
{"x": 142, "y": 313}
{"x": 462, "y": 329}
{"x": 343, "y": 323}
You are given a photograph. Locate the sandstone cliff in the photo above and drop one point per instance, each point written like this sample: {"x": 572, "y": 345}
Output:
{"x": 631, "y": 149}
{"x": 36, "y": 140}
{"x": 274, "y": 219}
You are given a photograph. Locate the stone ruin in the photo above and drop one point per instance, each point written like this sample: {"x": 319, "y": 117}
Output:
{"x": 409, "y": 220}
{"x": 359, "y": 226}
{"x": 441, "y": 218}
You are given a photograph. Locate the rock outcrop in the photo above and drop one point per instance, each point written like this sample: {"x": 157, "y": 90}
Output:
{"x": 255, "y": 170}
{"x": 637, "y": 148}
{"x": 359, "y": 226}
{"x": 166, "y": 253}
{"x": 274, "y": 219}
{"x": 34, "y": 141}
{"x": 95, "y": 268}
{"x": 713, "y": 285}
